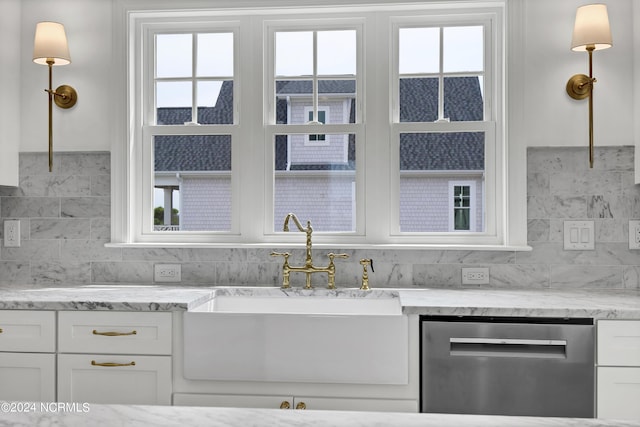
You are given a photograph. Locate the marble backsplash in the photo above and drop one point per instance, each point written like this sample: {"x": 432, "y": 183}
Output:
{"x": 64, "y": 219}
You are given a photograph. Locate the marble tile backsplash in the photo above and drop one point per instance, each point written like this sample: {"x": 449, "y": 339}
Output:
{"x": 65, "y": 222}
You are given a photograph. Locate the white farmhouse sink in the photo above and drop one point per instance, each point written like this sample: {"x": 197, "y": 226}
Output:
{"x": 277, "y": 301}
{"x": 323, "y": 336}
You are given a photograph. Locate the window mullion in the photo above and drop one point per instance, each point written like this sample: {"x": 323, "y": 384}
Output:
{"x": 194, "y": 82}
{"x": 315, "y": 77}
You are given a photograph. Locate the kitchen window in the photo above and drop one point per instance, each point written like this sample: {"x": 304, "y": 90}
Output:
{"x": 240, "y": 116}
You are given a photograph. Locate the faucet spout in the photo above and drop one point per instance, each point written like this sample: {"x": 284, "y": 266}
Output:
{"x": 297, "y": 223}
{"x": 308, "y": 231}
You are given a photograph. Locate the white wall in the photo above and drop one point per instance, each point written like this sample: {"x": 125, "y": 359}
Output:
{"x": 552, "y": 118}
{"x": 9, "y": 112}
{"x": 87, "y": 126}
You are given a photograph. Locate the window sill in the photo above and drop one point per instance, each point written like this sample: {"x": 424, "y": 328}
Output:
{"x": 275, "y": 245}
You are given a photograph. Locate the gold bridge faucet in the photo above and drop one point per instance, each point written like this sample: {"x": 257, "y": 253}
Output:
{"x": 308, "y": 268}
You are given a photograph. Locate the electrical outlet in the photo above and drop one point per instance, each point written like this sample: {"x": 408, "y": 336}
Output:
{"x": 167, "y": 273}
{"x": 475, "y": 276}
{"x": 634, "y": 234}
{"x": 12, "y": 233}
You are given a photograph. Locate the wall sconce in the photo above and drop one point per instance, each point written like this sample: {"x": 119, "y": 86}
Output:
{"x": 50, "y": 48}
{"x": 590, "y": 32}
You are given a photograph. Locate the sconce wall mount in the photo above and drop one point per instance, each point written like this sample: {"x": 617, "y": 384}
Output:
{"x": 50, "y": 48}
{"x": 591, "y": 32}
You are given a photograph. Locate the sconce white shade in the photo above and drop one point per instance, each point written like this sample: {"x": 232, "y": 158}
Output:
{"x": 591, "y": 28}
{"x": 50, "y": 42}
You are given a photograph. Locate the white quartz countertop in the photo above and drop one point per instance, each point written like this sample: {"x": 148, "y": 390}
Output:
{"x": 183, "y": 416}
{"x": 600, "y": 304}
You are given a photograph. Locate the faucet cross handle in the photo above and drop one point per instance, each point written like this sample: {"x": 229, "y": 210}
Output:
{"x": 331, "y": 268}
{"x": 286, "y": 269}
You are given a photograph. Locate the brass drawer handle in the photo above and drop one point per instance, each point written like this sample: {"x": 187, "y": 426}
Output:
{"x": 285, "y": 405}
{"x": 301, "y": 405}
{"x": 112, "y": 365}
{"x": 114, "y": 334}
{"x": 0, "y": 330}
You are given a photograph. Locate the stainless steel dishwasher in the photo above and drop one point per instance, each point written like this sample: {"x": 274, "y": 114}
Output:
{"x": 507, "y": 366}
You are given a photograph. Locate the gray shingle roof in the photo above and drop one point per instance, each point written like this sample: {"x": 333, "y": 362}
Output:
{"x": 418, "y": 100}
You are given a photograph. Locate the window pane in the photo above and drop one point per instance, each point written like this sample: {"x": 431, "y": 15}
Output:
{"x": 173, "y": 55}
{"x": 419, "y": 50}
{"x": 428, "y": 162}
{"x": 294, "y": 53}
{"x": 294, "y": 97}
{"x": 463, "y": 99}
{"x": 215, "y": 102}
{"x": 173, "y": 100}
{"x": 317, "y": 183}
{"x": 215, "y": 55}
{"x": 463, "y": 49}
{"x": 337, "y": 52}
{"x": 200, "y": 167}
{"x": 419, "y": 100}
{"x": 461, "y": 219}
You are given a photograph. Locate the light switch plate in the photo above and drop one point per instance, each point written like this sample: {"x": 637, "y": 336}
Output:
{"x": 579, "y": 236}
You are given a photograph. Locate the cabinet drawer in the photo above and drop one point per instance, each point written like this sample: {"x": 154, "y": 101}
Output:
{"x": 29, "y": 331}
{"x": 114, "y": 332}
{"x": 619, "y": 342}
{"x": 114, "y": 379}
{"x": 619, "y": 393}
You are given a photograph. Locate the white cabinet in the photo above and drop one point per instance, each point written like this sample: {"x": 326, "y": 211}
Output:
{"x": 27, "y": 355}
{"x": 295, "y": 402}
{"x": 618, "y": 371}
{"x": 114, "y": 357}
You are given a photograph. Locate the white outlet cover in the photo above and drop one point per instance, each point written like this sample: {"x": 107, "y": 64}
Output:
{"x": 167, "y": 273}
{"x": 634, "y": 234}
{"x": 12, "y": 233}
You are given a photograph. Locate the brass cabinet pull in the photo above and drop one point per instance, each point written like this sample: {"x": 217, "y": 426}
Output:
{"x": 301, "y": 405}
{"x": 114, "y": 334}
{"x": 112, "y": 365}
{"x": 285, "y": 405}
{"x": 0, "y": 330}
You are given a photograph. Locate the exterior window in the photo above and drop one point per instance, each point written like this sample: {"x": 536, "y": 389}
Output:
{"x": 322, "y": 118}
{"x": 463, "y": 206}
{"x": 381, "y": 125}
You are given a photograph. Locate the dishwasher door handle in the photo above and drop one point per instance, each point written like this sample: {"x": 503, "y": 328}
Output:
{"x": 508, "y": 347}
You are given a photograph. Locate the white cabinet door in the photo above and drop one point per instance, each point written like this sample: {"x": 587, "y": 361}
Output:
{"x": 288, "y": 402}
{"x": 350, "y": 404}
{"x": 27, "y": 377}
{"x": 233, "y": 401}
{"x": 619, "y": 393}
{"x": 111, "y": 379}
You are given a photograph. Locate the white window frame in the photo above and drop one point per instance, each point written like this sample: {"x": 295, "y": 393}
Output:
{"x": 509, "y": 232}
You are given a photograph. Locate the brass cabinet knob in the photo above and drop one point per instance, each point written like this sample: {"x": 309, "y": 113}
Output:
{"x": 285, "y": 405}
{"x": 301, "y": 405}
